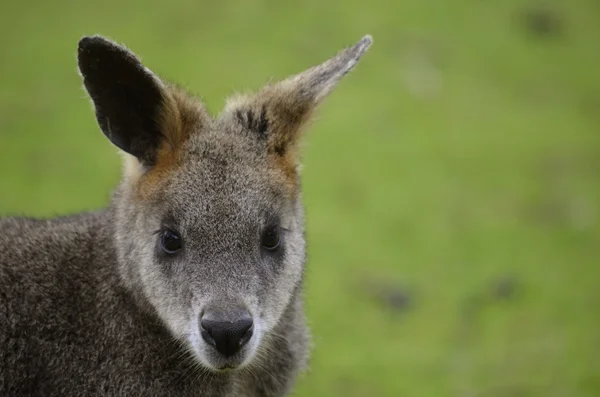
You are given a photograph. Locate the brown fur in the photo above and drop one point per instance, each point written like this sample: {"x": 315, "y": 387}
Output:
{"x": 181, "y": 116}
{"x": 287, "y": 116}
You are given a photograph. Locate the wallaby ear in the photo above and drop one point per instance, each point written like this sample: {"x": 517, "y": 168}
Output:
{"x": 280, "y": 110}
{"x": 312, "y": 85}
{"x": 129, "y": 99}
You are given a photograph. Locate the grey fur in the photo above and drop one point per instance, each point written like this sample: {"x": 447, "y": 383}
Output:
{"x": 89, "y": 305}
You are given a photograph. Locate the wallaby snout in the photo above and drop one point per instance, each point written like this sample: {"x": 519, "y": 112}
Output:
{"x": 226, "y": 330}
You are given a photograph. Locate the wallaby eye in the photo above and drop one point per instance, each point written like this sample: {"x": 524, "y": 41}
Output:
{"x": 170, "y": 241}
{"x": 270, "y": 239}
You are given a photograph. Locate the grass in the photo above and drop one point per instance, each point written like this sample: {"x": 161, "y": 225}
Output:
{"x": 451, "y": 182}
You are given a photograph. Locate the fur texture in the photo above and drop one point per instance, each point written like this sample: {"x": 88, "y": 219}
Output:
{"x": 93, "y": 304}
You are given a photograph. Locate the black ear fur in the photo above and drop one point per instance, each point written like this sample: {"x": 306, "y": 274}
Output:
{"x": 128, "y": 98}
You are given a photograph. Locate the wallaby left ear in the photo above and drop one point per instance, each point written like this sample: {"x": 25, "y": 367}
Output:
{"x": 279, "y": 111}
{"x": 130, "y": 101}
{"x": 314, "y": 84}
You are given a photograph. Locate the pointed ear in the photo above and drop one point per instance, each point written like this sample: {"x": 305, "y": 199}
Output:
{"x": 280, "y": 110}
{"x": 131, "y": 102}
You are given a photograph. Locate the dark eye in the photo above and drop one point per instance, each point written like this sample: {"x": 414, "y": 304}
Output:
{"x": 270, "y": 239}
{"x": 170, "y": 241}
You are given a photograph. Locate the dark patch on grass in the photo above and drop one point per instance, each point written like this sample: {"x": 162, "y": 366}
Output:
{"x": 542, "y": 22}
{"x": 504, "y": 287}
{"x": 390, "y": 296}
{"x": 500, "y": 288}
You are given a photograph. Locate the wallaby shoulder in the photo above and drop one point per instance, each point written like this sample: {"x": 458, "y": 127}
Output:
{"x": 39, "y": 256}
{"x": 31, "y": 242}
{"x": 67, "y": 325}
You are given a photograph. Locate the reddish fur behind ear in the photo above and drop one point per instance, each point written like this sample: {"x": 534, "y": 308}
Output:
{"x": 181, "y": 116}
{"x": 288, "y": 116}
{"x": 278, "y": 119}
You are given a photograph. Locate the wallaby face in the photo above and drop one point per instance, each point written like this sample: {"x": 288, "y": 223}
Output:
{"x": 209, "y": 223}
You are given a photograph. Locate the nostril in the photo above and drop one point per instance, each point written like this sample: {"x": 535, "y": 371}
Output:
{"x": 245, "y": 325}
{"x": 247, "y": 335}
{"x": 205, "y": 332}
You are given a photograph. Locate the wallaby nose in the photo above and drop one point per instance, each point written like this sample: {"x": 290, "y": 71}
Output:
{"x": 226, "y": 331}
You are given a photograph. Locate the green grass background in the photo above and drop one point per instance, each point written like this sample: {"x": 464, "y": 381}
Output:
{"x": 451, "y": 181}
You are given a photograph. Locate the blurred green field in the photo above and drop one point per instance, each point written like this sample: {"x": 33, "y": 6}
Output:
{"x": 452, "y": 182}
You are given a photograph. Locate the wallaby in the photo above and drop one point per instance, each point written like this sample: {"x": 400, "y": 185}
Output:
{"x": 190, "y": 282}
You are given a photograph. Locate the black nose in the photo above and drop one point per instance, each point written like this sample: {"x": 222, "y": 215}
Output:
{"x": 226, "y": 331}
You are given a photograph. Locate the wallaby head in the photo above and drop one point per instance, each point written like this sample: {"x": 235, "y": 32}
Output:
{"x": 209, "y": 226}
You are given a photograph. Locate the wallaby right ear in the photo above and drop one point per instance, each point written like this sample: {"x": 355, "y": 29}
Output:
{"x": 129, "y": 99}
